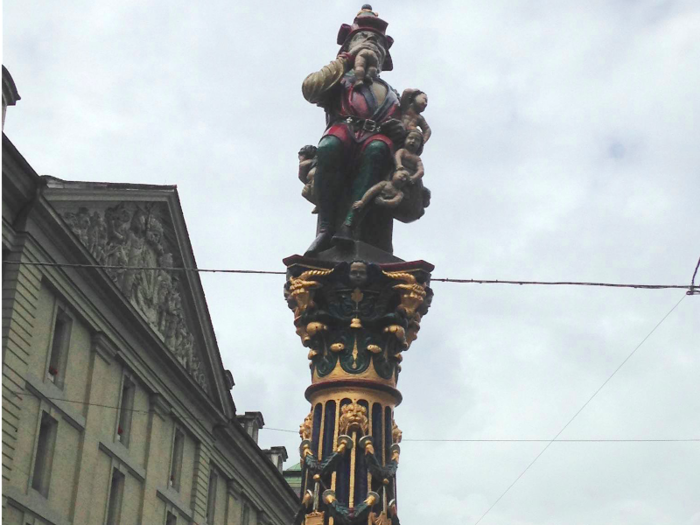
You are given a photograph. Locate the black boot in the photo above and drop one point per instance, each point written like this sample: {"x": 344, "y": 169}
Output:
{"x": 344, "y": 235}
{"x": 321, "y": 242}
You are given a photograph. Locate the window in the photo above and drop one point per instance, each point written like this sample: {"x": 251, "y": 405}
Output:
{"x": 245, "y": 518}
{"x": 126, "y": 410}
{"x": 44, "y": 454}
{"x": 170, "y": 519}
{"x": 59, "y": 349}
{"x": 116, "y": 492}
{"x": 176, "y": 462}
{"x": 211, "y": 497}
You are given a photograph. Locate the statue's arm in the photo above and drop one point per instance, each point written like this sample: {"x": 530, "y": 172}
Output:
{"x": 398, "y": 158}
{"x": 426, "y": 129}
{"x": 369, "y": 195}
{"x": 419, "y": 171}
{"x": 316, "y": 85}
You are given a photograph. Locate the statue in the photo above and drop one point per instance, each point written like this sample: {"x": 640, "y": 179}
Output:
{"x": 307, "y": 171}
{"x": 413, "y": 103}
{"x": 367, "y": 124}
{"x": 358, "y": 308}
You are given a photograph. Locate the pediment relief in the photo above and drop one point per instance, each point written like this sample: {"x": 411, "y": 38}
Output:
{"x": 140, "y": 234}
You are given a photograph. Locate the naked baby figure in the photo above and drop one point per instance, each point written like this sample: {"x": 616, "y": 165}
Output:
{"x": 365, "y": 66}
{"x": 408, "y": 158}
{"x": 413, "y": 103}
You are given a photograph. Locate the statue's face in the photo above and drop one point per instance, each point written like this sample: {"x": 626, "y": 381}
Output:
{"x": 421, "y": 102}
{"x": 368, "y": 40}
{"x": 358, "y": 274}
{"x": 413, "y": 142}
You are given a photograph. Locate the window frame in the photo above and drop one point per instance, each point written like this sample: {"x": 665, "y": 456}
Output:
{"x": 44, "y": 451}
{"x": 212, "y": 489}
{"x": 170, "y": 517}
{"x": 59, "y": 345}
{"x": 115, "y": 498}
{"x": 176, "y": 455}
{"x": 125, "y": 413}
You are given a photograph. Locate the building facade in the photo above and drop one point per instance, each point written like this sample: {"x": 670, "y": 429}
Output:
{"x": 116, "y": 405}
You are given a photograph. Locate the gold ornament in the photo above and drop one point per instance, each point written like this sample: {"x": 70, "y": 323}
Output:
{"x": 399, "y": 332}
{"x": 374, "y": 349}
{"x": 353, "y": 417}
{"x": 379, "y": 519}
{"x": 396, "y": 433}
{"x": 412, "y": 292}
{"x": 314, "y": 518}
{"x": 306, "y": 427}
{"x": 301, "y": 288}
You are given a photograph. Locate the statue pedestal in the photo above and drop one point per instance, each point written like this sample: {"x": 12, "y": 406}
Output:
{"x": 356, "y": 318}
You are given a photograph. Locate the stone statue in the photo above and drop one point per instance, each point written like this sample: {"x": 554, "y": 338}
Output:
{"x": 413, "y": 103}
{"x": 408, "y": 158}
{"x": 307, "y": 171}
{"x": 364, "y": 130}
{"x": 367, "y": 125}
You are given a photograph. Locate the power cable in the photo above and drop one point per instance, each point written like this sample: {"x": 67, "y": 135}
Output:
{"x": 579, "y": 411}
{"x": 690, "y": 287}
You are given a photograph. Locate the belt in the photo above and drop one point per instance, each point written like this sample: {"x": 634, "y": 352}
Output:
{"x": 363, "y": 124}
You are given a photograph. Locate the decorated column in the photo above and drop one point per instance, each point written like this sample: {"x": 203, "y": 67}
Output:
{"x": 357, "y": 307}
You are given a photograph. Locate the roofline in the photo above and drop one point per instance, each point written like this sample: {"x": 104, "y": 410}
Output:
{"x": 55, "y": 182}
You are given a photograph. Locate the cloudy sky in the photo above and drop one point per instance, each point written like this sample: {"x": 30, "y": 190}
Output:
{"x": 565, "y": 147}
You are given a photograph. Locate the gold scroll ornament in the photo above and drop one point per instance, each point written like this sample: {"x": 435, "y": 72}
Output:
{"x": 411, "y": 291}
{"x": 301, "y": 288}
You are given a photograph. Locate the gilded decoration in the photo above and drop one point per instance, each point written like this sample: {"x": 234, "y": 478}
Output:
{"x": 380, "y": 519}
{"x": 138, "y": 235}
{"x": 353, "y": 418}
{"x": 306, "y": 427}
{"x": 396, "y": 433}
{"x": 356, "y": 314}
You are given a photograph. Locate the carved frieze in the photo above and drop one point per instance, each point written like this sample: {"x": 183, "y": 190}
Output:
{"x": 134, "y": 235}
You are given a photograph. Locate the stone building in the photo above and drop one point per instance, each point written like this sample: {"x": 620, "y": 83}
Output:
{"x": 116, "y": 406}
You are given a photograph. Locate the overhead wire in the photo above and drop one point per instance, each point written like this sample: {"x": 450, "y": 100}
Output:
{"x": 690, "y": 287}
{"x": 554, "y": 439}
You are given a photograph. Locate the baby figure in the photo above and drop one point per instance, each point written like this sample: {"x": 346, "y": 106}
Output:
{"x": 408, "y": 158}
{"x": 413, "y": 103}
{"x": 365, "y": 66}
{"x": 386, "y": 193}
{"x": 307, "y": 170}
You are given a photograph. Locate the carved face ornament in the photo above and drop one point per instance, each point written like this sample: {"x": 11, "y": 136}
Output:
{"x": 358, "y": 274}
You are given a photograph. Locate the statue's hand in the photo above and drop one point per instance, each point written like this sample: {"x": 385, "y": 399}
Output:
{"x": 395, "y": 130}
{"x": 357, "y": 205}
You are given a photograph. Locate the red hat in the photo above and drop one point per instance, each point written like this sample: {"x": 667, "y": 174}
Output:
{"x": 367, "y": 20}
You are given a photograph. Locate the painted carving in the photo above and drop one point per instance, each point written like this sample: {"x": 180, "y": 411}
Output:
{"x": 356, "y": 315}
{"x": 366, "y": 123}
{"x": 307, "y": 171}
{"x": 306, "y": 427}
{"x": 353, "y": 418}
{"x": 131, "y": 235}
{"x": 396, "y": 433}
